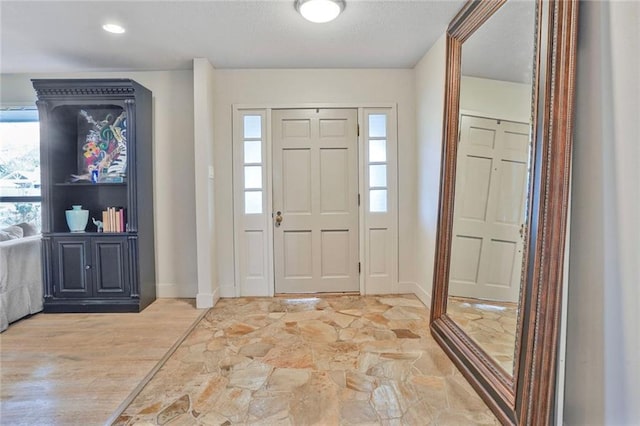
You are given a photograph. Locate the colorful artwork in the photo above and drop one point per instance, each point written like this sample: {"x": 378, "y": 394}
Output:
{"x": 105, "y": 147}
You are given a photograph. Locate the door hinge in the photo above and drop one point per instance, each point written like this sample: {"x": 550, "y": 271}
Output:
{"x": 359, "y": 268}
{"x": 358, "y": 200}
{"x": 358, "y": 129}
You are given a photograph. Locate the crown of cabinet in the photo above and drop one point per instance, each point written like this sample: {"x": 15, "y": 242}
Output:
{"x": 89, "y": 88}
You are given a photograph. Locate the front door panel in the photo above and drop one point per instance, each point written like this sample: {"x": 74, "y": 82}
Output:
{"x": 315, "y": 200}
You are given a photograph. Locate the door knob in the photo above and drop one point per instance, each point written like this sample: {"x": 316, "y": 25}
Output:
{"x": 278, "y": 218}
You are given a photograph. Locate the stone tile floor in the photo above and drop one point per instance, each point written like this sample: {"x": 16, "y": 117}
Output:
{"x": 330, "y": 360}
{"x": 491, "y": 324}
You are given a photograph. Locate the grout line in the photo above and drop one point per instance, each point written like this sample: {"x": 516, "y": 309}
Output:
{"x": 136, "y": 391}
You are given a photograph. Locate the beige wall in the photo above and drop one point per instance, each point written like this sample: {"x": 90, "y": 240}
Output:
{"x": 179, "y": 202}
{"x": 173, "y": 159}
{"x": 430, "y": 81}
{"x": 295, "y": 87}
{"x": 602, "y": 379}
{"x": 496, "y": 99}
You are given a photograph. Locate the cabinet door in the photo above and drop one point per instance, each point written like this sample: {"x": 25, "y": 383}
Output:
{"x": 110, "y": 271}
{"x": 71, "y": 268}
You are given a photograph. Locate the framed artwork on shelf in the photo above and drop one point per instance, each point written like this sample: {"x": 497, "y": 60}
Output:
{"x": 102, "y": 146}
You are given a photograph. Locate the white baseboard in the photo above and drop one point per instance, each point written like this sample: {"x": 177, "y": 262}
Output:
{"x": 420, "y": 292}
{"x": 207, "y": 300}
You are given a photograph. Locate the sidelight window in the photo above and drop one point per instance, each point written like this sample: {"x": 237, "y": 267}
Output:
{"x": 253, "y": 164}
{"x": 377, "y": 163}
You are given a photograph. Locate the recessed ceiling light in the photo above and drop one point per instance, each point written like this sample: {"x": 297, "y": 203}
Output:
{"x": 320, "y": 11}
{"x": 113, "y": 28}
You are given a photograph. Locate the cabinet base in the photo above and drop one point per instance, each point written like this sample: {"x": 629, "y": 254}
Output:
{"x": 92, "y": 306}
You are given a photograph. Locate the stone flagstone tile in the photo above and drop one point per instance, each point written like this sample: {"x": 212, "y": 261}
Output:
{"x": 316, "y": 402}
{"x": 331, "y": 360}
{"x": 358, "y": 413}
{"x": 178, "y": 407}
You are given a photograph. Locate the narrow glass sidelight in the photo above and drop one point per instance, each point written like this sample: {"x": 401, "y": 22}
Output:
{"x": 378, "y": 176}
{"x": 377, "y": 125}
{"x": 377, "y": 161}
{"x": 253, "y": 152}
{"x": 377, "y": 151}
{"x": 253, "y": 177}
{"x": 253, "y": 162}
{"x": 378, "y": 200}
{"x": 252, "y": 127}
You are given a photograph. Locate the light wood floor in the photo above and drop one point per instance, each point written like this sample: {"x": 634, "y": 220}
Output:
{"x": 76, "y": 369}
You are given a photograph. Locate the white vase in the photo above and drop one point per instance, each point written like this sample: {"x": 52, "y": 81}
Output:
{"x": 77, "y": 218}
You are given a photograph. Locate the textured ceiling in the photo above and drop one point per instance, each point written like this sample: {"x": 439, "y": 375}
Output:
{"x": 66, "y": 36}
{"x": 52, "y": 36}
{"x": 502, "y": 48}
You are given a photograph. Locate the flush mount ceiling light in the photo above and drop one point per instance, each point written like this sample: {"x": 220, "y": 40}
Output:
{"x": 113, "y": 28}
{"x": 320, "y": 11}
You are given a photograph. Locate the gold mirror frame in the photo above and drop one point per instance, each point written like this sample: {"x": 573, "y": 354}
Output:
{"x": 527, "y": 397}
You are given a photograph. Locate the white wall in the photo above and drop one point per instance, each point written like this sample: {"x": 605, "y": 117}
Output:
{"x": 173, "y": 159}
{"x": 203, "y": 141}
{"x": 602, "y": 378}
{"x": 304, "y": 86}
{"x": 430, "y": 83}
{"x": 496, "y": 98}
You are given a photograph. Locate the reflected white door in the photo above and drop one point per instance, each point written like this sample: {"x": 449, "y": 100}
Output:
{"x": 315, "y": 200}
{"x": 489, "y": 209}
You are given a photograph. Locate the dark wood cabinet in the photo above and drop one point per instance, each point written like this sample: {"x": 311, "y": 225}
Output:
{"x": 103, "y": 126}
{"x": 89, "y": 267}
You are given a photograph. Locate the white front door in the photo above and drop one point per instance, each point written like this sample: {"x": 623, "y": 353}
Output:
{"x": 315, "y": 200}
{"x": 489, "y": 209}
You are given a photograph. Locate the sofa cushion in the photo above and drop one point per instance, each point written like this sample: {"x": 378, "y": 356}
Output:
{"x": 28, "y": 229}
{"x": 20, "y": 279}
{"x": 11, "y": 233}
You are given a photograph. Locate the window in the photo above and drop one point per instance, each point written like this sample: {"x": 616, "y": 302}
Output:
{"x": 377, "y": 163}
{"x": 253, "y": 163}
{"x": 20, "y": 196}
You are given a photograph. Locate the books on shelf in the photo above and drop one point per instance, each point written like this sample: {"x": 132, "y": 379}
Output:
{"x": 114, "y": 220}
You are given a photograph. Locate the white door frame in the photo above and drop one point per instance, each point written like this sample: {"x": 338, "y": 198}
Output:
{"x": 266, "y": 286}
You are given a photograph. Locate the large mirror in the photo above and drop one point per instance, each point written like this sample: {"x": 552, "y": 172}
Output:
{"x": 491, "y": 187}
{"x": 504, "y": 191}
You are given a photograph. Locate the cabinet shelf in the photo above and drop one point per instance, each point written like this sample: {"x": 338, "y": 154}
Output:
{"x": 86, "y": 184}
{"x": 91, "y": 234}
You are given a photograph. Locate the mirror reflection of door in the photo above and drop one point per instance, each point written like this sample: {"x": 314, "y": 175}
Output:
{"x": 491, "y": 180}
{"x": 488, "y": 223}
